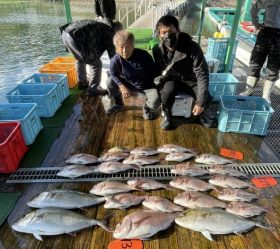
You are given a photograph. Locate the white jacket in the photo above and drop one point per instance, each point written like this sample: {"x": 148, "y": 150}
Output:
{"x": 271, "y": 14}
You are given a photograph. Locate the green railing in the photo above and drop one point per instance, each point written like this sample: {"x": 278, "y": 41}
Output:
{"x": 67, "y": 10}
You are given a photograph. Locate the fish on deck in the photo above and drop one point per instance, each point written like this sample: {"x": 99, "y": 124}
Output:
{"x": 215, "y": 221}
{"x": 55, "y": 221}
{"x": 63, "y": 198}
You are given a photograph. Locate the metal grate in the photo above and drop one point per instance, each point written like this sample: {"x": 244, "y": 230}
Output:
{"x": 273, "y": 141}
{"x": 28, "y": 175}
{"x": 158, "y": 172}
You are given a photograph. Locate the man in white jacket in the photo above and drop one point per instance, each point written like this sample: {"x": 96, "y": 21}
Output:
{"x": 267, "y": 46}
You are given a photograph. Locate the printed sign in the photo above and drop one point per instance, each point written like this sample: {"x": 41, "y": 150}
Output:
{"x": 263, "y": 182}
{"x": 231, "y": 153}
{"x": 126, "y": 244}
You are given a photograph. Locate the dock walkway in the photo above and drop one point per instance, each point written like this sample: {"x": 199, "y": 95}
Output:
{"x": 145, "y": 21}
{"x": 89, "y": 130}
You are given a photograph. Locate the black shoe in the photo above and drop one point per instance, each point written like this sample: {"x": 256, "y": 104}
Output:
{"x": 148, "y": 113}
{"x": 98, "y": 90}
{"x": 82, "y": 87}
{"x": 114, "y": 109}
{"x": 207, "y": 121}
{"x": 166, "y": 119}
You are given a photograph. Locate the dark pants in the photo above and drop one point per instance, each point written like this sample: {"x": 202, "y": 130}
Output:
{"x": 95, "y": 67}
{"x": 267, "y": 46}
{"x": 152, "y": 97}
{"x": 171, "y": 88}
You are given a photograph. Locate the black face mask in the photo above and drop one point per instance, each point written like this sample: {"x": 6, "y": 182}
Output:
{"x": 170, "y": 40}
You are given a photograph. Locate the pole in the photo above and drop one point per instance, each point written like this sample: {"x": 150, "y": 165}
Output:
{"x": 233, "y": 34}
{"x": 203, "y": 5}
{"x": 246, "y": 11}
{"x": 67, "y": 10}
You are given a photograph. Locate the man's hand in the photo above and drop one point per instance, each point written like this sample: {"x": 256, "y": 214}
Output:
{"x": 197, "y": 110}
{"x": 124, "y": 91}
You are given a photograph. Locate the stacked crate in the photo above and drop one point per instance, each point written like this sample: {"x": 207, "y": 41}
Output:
{"x": 39, "y": 95}
{"x": 62, "y": 65}
{"x": 217, "y": 49}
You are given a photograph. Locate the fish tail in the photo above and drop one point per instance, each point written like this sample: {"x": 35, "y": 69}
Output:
{"x": 136, "y": 186}
{"x": 268, "y": 227}
{"x": 104, "y": 225}
{"x": 104, "y": 222}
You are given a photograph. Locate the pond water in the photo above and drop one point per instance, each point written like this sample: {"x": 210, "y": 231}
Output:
{"x": 29, "y": 36}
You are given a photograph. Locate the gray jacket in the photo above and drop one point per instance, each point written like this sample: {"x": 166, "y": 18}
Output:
{"x": 271, "y": 14}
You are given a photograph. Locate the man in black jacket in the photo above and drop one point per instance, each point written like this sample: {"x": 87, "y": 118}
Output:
{"x": 105, "y": 10}
{"x": 182, "y": 68}
{"x": 87, "y": 40}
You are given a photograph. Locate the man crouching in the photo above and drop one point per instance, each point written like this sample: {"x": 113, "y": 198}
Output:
{"x": 132, "y": 70}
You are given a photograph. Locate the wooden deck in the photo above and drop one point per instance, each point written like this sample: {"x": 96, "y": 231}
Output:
{"x": 89, "y": 130}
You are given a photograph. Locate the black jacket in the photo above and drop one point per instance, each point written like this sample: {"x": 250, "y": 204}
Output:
{"x": 105, "y": 8}
{"x": 92, "y": 38}
{"x": 189, "y": 65}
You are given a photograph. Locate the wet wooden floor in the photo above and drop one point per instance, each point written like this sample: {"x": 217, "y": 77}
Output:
{"x": 89, "y": 130}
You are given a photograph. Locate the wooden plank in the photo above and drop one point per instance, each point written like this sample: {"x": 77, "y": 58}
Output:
{"x": 89, "y": 130}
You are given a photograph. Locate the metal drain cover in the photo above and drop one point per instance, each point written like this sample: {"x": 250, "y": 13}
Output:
{"x": 157, "y": 172}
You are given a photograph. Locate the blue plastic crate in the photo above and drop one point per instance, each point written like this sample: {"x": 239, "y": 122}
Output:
{"x": 222, "y": 84}
{"x": 217, "y": 48}
{"x": 28, "y": 117}
{"x": 45, "y": 95}
{"x": 240, "y": 114}
{"x": 59, "y": 79}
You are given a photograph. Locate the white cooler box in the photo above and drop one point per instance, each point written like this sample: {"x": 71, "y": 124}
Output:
{"x": 182, "y": 106}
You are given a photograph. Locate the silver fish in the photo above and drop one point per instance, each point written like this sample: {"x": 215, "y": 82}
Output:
{"x": 187, "y": 169}
{"x": 144, "y": 151}
{"x": 214, "y": 221}
{"x": 173, "y": 148}
{"x": 113, "y": 157}
{"x": 192, "y": 199}
{"x": 228, "y": 182}
{"x": 222, "y": 170}
{"x": 143, "y": 224}
{"x": 55, "y": 221}
{"x": 191, "y": 183}
{"x": 62, "y": 198}
{"x": 236, "y": 195}
{"x": 114, "y": 167}
{"x": 244, "y": 209}
{"x": 178, "y": 156}
{"x": 123, "y": 201}
{"x": 73, "y": 171}
{"x": 161, "y": 204}
{"x": 118, "y": 149}
{"x": 111, "y": 187}
{"x": 82, "y": 158}
{"x": 147, "y": 184}
{"x": 212, "y": 159}
{"x": 140, "y": 160}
